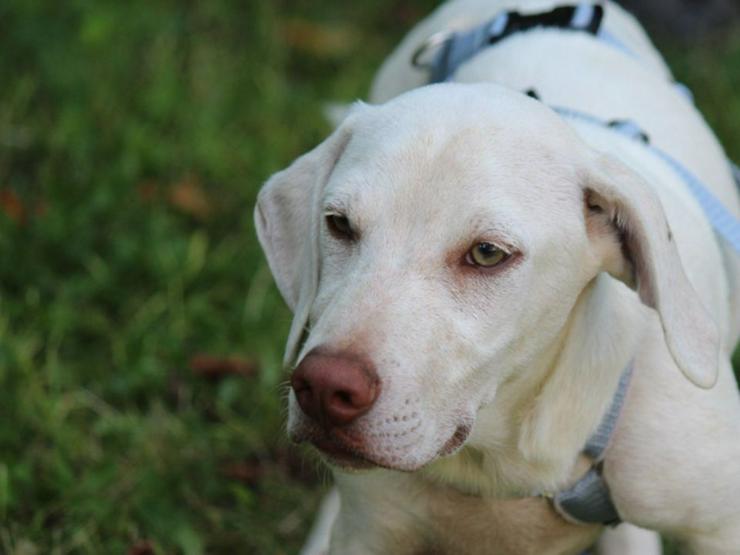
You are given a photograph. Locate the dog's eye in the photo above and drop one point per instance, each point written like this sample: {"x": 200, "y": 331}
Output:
{"x": 340, "y": 227}
{"x": 486, "y": 255}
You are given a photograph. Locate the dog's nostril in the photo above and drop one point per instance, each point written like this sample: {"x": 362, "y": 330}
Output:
{"x": 305, "y": 394}
{"x": 300, "y": 385}
{"x": 344, "y": 398}
{"x": 301, "y": 388}
{"x": 304, "y": 397}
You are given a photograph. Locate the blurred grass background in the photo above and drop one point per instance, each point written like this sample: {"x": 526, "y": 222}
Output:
{"x": 141, "y": 390}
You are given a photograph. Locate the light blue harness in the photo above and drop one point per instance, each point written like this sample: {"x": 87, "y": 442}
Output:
{"x": 724, "y": 223}
{"x": 588, "y": 500}
{"x": 451, "y": 50}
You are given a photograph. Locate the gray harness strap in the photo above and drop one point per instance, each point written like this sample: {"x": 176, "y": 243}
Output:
{"x": 588, "y": 501}
{"x": 451, "y": 50}
{"x": 724, "y": 222}
{"x": 735, "y": 173}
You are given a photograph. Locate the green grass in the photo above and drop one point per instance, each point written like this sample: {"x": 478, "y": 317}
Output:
{"x": 133, "y": 139}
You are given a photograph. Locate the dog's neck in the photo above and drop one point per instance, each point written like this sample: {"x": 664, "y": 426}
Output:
{"x": 529, "y": 440}
{"x": 491, "y": 464}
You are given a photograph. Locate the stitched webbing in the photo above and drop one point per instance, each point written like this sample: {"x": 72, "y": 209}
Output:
{"x": 458, "y": 48}
{"x": 599, "y": 440}
{"x": 725, "y": 224}
{"x": 588, "y": 500}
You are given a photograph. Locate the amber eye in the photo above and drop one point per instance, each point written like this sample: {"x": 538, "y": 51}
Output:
{"x": 486, "y": 255}
{"x": 340, "y": 227}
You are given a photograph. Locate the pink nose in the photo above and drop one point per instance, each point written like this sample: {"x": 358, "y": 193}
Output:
{"x": 334, "y": 389}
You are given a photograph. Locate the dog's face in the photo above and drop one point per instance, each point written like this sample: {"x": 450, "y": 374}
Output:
{"x": 435, "y": 248}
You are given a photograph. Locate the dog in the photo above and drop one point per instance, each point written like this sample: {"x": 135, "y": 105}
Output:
{"x": 480, "y": 280}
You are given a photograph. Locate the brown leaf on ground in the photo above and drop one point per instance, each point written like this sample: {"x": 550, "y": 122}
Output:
{"x": 319, "y": 39}
{"x": 142, "y": 547}
{"x": 20, "y": 210}
{"x": 12, "y": 205}
{"x": 188, "y": 196}
{"x": 148, "y": 191}
{"x": 248, "y": 472}
{"x": 41, "y": 208}
{"x": 216, "y": 367}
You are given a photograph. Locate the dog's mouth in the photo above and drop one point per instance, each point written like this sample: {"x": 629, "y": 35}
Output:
{"x": 340, "y": 454}
{"x": 347, "y": 451}
{"x": 339, "y": 447}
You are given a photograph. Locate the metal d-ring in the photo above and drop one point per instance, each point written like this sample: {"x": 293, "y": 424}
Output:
{"x": 436, "y": 40}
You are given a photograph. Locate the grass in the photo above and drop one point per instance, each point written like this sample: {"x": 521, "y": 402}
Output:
{"x": 133, "y": 139}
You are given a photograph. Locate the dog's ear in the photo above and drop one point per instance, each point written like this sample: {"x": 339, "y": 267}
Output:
{"x": 616, "y": 194}
{"x": 287, "y": 222}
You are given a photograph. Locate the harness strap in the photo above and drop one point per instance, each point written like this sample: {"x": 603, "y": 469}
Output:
{"x": 454, "y": 49}
{"x": 588, "y": 501}
{"x": 725, "y": 224}
{"x": 450, "y": 50}
{"x": 735, "y": 173}
{"x": 599, "y": 440}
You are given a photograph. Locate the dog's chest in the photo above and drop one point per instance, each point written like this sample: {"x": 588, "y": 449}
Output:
{"x": 461, "y": 524}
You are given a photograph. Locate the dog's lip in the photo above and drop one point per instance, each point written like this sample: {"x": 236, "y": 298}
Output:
{"x": 456, "y": 441}
{"x": 342, "y": 449}
{"x": 337, "y": 446}
{"x": 342, "y": 455}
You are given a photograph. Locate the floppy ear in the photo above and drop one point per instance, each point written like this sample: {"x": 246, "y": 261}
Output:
{"x": 287, "y": 221}
{"x": 613, "y": 190}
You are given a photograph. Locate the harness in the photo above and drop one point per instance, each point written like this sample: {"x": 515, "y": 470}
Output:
{"x": 588, "y": 501}
{"x": 450, "y": 50}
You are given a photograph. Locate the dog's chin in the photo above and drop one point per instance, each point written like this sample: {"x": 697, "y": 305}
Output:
{"x": 349, "y": 453}
{"x": 339, "y": 455}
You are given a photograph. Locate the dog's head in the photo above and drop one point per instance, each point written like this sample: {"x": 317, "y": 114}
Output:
{"x": 433, "y": 250}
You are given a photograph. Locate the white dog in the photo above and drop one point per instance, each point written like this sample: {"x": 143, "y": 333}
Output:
{"x": 472, "y": 272}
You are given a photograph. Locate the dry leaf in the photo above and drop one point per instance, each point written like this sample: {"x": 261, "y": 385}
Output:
{"x": 215, "y": 367}
{"x": 142, "y": 547}
{"x": 319, "y": 39}
{"x": 248, "y": 472}
{"x": 148, "y": 191}
{"x": 189, "y": 197}
{"x": 12, "y": 205}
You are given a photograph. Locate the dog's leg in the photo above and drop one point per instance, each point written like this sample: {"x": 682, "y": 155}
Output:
{"x": 318, "y": 540}
{"x": 627, "y": 539}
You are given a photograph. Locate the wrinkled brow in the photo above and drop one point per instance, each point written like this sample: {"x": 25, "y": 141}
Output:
{"x": 336, "y": 202}
{"x": 483, "y": 229}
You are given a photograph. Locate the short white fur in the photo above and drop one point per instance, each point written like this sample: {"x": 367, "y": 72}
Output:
{"x": 529, "y": 357}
